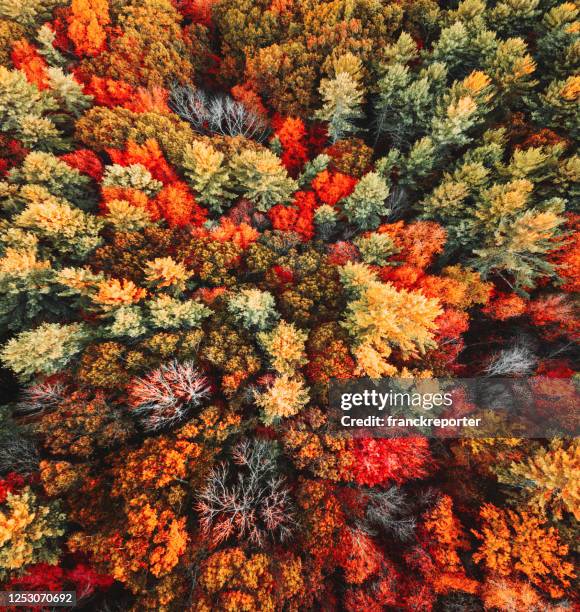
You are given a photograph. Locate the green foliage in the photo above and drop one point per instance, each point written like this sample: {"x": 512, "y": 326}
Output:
{"x": 47, "y": 349}
{"x": 57, "y": 177}
{"x": 253, "y": 309}
{"x": 376, "y": 249}
{"x": 29, "y": 13}
{"x": 342, "y": 97}
{"x": 325, "y": 219}
{"x": 168, "y": 313}
{"x": 505, "y": 213}
{"x": 45, "y": 38}
{"x": 134, "y": 176}
{"x": 23, "y": 110}
{"x": 207, "y": 174}
{"x": 365, "y": 206}
{"x": 60, "y": 227}
{"x": 260, "y": 177}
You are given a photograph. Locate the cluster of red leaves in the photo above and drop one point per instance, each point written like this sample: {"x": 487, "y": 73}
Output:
{"x": 13, "y": 483}
{"x": 81, "y": 578}
{"x": 112, "y": 92}
{"x": 297, "y": 217}
{"x": 25, "y": 57}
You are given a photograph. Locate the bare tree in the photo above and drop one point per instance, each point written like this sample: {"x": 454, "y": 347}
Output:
{"x": 18, "y": 454}
{"x": 217, "y": 114}
{"x": 251, "y": 502}
{"x": 163, "y": 397}
{"x": 390, "y": 512}
{"x": 517, "y": 360}
{"x": 41, "y": 396}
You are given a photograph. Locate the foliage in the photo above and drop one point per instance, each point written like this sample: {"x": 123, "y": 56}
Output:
{"x": 28, "y": 530}
{"x": 212, "y": 214}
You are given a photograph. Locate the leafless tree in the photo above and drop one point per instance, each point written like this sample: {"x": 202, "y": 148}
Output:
{"x": 250, "y": 502}
{"x": 163, "y": 397}
{"x": 517, "y": 360}
{"x": 390, "y": 512}
{"x": 41, "y": 396}
{"x": 217, "y": 114}
{"x": 18, "y": 454}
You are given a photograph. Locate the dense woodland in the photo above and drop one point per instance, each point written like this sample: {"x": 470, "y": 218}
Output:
{"x": 209, "y": 209}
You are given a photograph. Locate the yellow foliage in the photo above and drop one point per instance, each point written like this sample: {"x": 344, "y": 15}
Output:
{"x": 552, "y": 474}
{"x": 25, "y": 527}
{"x": 166, "y": 272}
{"x": 285, "y": 397}
{"x": 384, "y": 318}
{"x": 285, "y": 346}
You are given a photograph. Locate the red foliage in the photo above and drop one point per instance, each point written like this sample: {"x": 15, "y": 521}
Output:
{"x": 341, "y": 252}
{"x": 111, "y": 93}
{"x": 358, "y": 555}
{"x": 198, "y": 11}
{"x": 284, "y": 275}
{"x": 555, "y": 368}
{"x": 86, "y": 162}
{"x": 175, "y": 203}
{"x": 297, "y": 217}
{"x": 25, "y": 57}
{"x": 149, "y": 155}
{"x": 403, "y": 277}
{"x": 331, "y": 187}
{"x": 505, "y": 306}
{"x": 292, "y": 136}
{"x": 13, "y": 482}
{"x": 81, "y": 578}
{"x": 555, "y": 315}
{"x": 452, "y": 323}
{"x": 378, "y": 461}
{"x": 11, "y": 154}
{"x": 249, "y": 98}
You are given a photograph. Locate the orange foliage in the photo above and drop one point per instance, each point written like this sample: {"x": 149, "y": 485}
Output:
{"x": 567, "y": 257}
{"x": 243, "y": 234}
{"x": 234, "y": 581}
{"x": 149, "y": 155}
{"x": 175, "y": 203}
{"x": 505, "y": 306}
{"x": 133, "y": 196}
{"x": 109, "y": 92}
{"x": 521, "y": 542}
{"x": 445, "y": 537}
{"x": 330, "y": 187}
{"x": 419, "y": 242}
{"x": 25, "y": 57}
{"x": 86, "y": 26}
